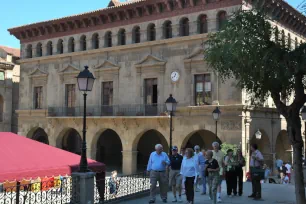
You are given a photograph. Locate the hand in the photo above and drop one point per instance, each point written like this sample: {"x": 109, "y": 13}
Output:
{"x": 164, "y": 163}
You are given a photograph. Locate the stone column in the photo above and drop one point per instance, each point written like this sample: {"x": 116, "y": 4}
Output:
{"x": 246, "y": 140}
{"x": 44, "y": 50}
{"x": 143, "y": 35}
{"x": 128, "y": 37}
{"x": 115, "y": 39}
{"x": 65, "y": 46}
{"x": 83, "y": 190}
{"x": 175, "y": 30}
{"x": 193, "y": 27}
{"x": 129, "y": 162}
{"x": 89, "y": 44}
{"x": 77, "y": 45}
{"x": 159, "y": 33}
{"x": 212, "y": 25}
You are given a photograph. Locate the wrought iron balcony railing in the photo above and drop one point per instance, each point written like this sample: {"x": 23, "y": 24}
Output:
{"x": 114, "y": 110}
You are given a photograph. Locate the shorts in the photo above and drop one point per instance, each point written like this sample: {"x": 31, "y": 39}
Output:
{"x": 220, "y": 179}
{"x": 175, "y": 178}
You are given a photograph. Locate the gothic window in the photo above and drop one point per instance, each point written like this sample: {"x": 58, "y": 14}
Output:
{"x": 60, "y": 46}
{"x": 184, "y": 27}
{"x": 95, "y": 41}
{"x": 108, "y": 39}
{"x": 83, "y": 44}
{"x": 202, "y": 24}
{"x": 121, "y": 37}
{"x": 49, "y": 48}
{"x": 29, "y": 51}
{"x": 39, "y": 50}
{"x": 221, "y": 19}
{"x": 167, "y": 29}
{"x": 38, "y": 97}
{"x": 136, "y": 34}
{"x": 71, "y": 44}
{"x": 151, "y": 32}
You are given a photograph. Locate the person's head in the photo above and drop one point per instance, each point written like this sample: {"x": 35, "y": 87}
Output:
{"x": 159, "y": 148}
{"x": 209, "y": 154}
{"x": 254, "y": 147}
{"x": 230, "y": 152}
{"x": 239, "y": 152}
{"x": 182, "y": 151}
{"x": 265, "y": 166}
{"x": 197, "y": 148}
{"x": 203, "y": 152}
{"x": 216, "y": 146}
{"x": 284, "y": 164}
{"x": 174, "y": 150}
{"x": 114, "y": 174}
{"x": 189, "y": 153}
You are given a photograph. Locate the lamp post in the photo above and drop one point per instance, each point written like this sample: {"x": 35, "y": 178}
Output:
{"x": 303, "y": 112}
{"x": 85, "y": 82}
{"x": 216, "y": 115}
{"x": 171, "y": 108}
{"x": 258, "y": 134}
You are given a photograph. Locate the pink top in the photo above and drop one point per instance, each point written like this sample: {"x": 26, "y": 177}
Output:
{"x": 254, "y": 162}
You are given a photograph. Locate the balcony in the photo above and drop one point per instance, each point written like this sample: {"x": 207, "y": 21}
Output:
{"x": 109, "y": 111}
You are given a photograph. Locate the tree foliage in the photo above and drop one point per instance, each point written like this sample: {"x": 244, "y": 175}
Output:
{"x": 226, "y": 146}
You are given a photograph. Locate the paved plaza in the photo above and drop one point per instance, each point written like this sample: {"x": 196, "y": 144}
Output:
{"x": 271, "y": 193}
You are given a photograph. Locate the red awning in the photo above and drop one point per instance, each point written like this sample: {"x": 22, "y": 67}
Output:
{"x": 21, "y": 158}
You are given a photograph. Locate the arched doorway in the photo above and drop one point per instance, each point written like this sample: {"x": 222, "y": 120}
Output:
{"x": 41, "y": 136}
{"x": 109, "y": 150}
{"x": 264, "y": 147}
{"x": 203, "y": 138}
{"x": 283, "y": 148}
{"x": 72, "y": 141}
{"x": 146, "y": 145}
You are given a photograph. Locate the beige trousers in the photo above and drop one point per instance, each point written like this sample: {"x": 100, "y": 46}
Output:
{"x": 161, "y": 177}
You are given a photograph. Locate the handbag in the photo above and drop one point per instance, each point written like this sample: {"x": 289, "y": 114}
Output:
{"x": 258, "y": 172}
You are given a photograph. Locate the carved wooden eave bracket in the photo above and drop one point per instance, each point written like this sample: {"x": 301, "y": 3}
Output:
{"x": 151, "y": 61}
{"x": 106, "y": 66}
{"x": 38, "y": 73}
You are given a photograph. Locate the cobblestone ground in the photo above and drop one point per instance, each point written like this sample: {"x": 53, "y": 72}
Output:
{"x": 271, "y": 194}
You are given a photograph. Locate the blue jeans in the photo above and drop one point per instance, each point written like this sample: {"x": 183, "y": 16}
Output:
{"x": 203, "y": 181}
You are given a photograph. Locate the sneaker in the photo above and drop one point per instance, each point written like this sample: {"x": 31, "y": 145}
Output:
{"x": 164, "y": 200}
{"x": 180, "y": 199}
{"x": 174, "y": 200}
{"x": 209, "y": 198}
{"x": 203, "y": 193}
{"x": 152, "y": 201}
{"x": 219, "y": 200}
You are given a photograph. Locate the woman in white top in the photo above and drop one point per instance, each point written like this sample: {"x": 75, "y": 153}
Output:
{"x": 189, "y": 171}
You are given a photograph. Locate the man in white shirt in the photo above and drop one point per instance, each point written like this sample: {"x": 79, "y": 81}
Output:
{"x": 288, "y": 172}
{"x": 197, "y": 153}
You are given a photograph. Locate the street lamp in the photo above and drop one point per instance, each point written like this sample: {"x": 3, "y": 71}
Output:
{"x": 171, "y": 108}
{"x": 85, "y": 82}
{"x": 303, "y": 112}
{"x": 258, "y": 134}
{"x": 216, "y": 115}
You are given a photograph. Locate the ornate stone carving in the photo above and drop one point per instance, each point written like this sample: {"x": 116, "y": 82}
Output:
{"x": 124, "y": 123}
{"x": 160, "y": 123}
{"x": 136, "y": 122}
{"x": 114, "y": 122}
{"x": 95, "y": 121}
{"x": 231, "y": 125}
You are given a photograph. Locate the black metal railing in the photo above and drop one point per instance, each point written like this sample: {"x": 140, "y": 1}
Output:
{"x": 55, "y": 191}
{"x": 122, "y": 188}
{"x": 114, "y": 110}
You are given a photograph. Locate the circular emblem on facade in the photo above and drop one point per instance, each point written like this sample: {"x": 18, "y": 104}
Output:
{"x": 175, "y": 76}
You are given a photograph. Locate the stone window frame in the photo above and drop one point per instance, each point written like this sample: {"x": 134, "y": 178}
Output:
{"x": 38, "y": 78}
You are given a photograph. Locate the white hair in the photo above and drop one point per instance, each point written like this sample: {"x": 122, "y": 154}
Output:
{"x": 209, "y": 152}
{"x": 215, "y": 144}
{"x": 158, "y": 146}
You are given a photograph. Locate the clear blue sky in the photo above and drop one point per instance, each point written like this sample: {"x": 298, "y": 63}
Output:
{"x": 21, "y": 12}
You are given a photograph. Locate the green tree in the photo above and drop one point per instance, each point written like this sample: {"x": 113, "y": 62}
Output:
{"x": 249, "y": 49}
{"x": 226, "y": 146}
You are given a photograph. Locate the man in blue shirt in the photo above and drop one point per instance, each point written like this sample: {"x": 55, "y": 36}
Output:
{"x": 158, "y": 162}
{"x": 202, "y": 160}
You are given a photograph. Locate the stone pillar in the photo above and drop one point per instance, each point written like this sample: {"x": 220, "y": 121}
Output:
{"x": 83, "y": 190}
{"x": 65, "y": 46}
{"x": 89, "y": 44}
{"x": 143, "y": 35}
{"x": 193, "y": 27}
{"x": 246, "y": 140}
{"x": 128, "y": 37}
{"x": 115, "y": 39}
{"x": 77, "y": 45}
{"x": 159, "y": 33}
{"x": 44, "y": 50}
{"x": 129, "y": 162}
{"x": 212, "y": 25}
{"x": 175, "y": 30}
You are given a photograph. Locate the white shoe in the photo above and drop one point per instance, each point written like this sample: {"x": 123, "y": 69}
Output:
{"x": 209, "y": 198}
{"x": 219, "y": 200}
{"x": 174, "y": 200}
{"x": 180, "y": 200}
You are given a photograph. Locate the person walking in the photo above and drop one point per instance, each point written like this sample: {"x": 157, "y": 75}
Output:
{"x": 230, "y": 173}
{"x": 219, "y": 156}
{"x": 212, "y": 172}
{"x": 175, "y": 178}
{"x": 157, "y": 165}
{"x": 289, "y": 169}
{"x": 189, "y": 171}
{"x": 239, "y": 171}
{"x": 202, "y": 160}
{"x": 197, "y": 153}
{"x": 283, "y": 170}
{"x": 256, "y": 163}
{"x": 278, "y": 165}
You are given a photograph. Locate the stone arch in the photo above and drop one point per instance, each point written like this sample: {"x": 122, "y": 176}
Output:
{"x": 29, "y": 51}
{"x": 221, "y": 19}
{"x": 151, "y": 32}
{"x": 95, "y": 41}
{"x": 38, "y": 134}
{"x": 60, "y": 46}
{"x": 264, "y": 146}
{"x": 203, "y": 138}
{"x": 184, "y": 26}
{"x": 107, "y": 148}
{"x": 70, "y": 140}
{"x": 39, "y": 50}
{"x": 136, "y": 34}
{"x": 71, "y": 45}
{"x": 83, "y": 43}
{"x": 202, "y": 24}
{"x": 122, "y": 37}
{"x": 145, "y": 143}
{"x": 108, "y": 39}
{"x": 167, "y": 29}
{"x": 283, "y": 148}
{"x": 49, "y": 48}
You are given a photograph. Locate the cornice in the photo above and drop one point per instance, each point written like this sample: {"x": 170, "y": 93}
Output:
{"x": 112, "y": 17}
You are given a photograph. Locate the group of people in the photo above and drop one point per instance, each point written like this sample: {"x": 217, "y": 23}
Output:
{"x": 284, "y": 171}
{"x": 194, "y": 167}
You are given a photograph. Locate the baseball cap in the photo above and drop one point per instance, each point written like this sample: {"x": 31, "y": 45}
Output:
{"x": 174, "y": 148}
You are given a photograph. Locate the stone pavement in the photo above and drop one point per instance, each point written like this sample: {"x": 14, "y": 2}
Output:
{"x": 271, "y": 194}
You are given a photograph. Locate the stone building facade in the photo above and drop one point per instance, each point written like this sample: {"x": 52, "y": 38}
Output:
{"x": 140, "y": 52}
